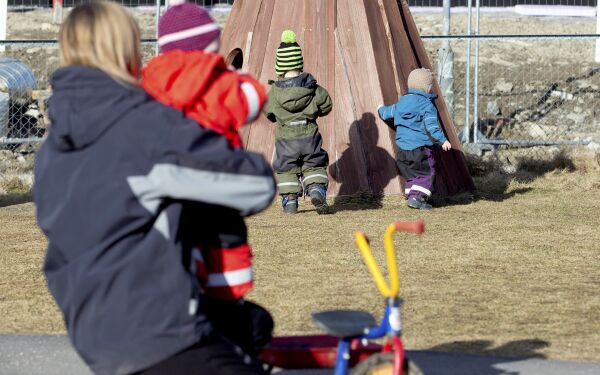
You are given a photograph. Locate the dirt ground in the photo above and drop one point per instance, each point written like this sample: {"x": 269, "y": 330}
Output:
{"x": 514, "y": 272}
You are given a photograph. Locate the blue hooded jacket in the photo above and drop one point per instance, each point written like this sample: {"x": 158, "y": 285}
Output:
{"x": 415, "y": 119}
{"x": 111, "y": 183}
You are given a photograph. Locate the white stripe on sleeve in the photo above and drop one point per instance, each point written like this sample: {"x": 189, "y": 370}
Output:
{"x": 231, "y": 278}
{"x": 253, "y": 101}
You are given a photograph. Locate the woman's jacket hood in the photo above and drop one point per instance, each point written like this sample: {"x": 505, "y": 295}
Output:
{"x": 85, "y": 103}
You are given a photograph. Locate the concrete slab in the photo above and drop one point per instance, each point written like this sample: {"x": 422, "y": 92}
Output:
{"x": 53, "y": 355}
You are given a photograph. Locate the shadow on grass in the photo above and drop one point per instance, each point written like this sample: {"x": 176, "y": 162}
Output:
{"x": 493, "y": 178}
{"x": 528, "y": 348}
{"x": 356, "y": 202}
{"x": 377, "y": 168}
{"x": 10, "y": 199}
{"x": 478, "y": 357}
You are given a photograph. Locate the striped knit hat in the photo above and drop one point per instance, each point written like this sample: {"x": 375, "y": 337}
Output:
{"x": 187, "y": 27}
{"x": 289, "y": 54}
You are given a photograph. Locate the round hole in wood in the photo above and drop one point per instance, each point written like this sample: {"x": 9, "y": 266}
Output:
{"x": 235, "y": 59}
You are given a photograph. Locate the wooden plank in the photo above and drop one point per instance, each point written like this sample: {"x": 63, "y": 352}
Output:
{"x": 357, "y": 50}
{"x": 283, "y": 14}
{"x": 254, "y": 18}
{"x": 319, "y": 60}
{"x": 241, "y": 20}
{"x": 400, "y": 44}
{"x": 346, "y": 177}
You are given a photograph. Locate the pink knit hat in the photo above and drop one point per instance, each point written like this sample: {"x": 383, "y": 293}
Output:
{"x": 188, "y": 27}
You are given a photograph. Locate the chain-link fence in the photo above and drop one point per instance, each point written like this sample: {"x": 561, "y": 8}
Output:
{"x": 534, "y": 90}
{"x": 28, "y": 58}
{"x": 129, "y": 3}
{"x": 522, "y": 85}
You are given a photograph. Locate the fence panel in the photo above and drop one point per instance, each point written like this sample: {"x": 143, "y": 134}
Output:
{"x": 537, "y": 92}
{"x": 529, "y": 91}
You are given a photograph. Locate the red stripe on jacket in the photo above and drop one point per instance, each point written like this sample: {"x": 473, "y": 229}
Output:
{"x": 225, "y": 273}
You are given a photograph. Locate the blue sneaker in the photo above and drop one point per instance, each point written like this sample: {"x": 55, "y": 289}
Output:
{"x": 289, "y": 203}
{"x": 318, "y": 197}
{"x": 418, "y": 204}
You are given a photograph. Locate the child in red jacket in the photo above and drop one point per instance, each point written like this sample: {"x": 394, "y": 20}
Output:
{"x": 190, "y": 76}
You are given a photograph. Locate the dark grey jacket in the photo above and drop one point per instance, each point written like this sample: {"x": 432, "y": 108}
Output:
{"x": 111, "y": 182}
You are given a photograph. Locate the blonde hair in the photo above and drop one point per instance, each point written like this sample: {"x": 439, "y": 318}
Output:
{"x": 102, "y": 35}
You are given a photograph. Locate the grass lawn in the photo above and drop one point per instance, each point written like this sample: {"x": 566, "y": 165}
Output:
{"x": 516, "y": 272}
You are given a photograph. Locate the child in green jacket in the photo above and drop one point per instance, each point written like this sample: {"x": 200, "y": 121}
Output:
{"x": 295, "y": 101}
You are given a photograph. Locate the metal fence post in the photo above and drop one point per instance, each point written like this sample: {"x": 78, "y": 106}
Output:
{"x": 157, "y": 17}
{"x": 476, "y": 83}
{"x": 467, "y": 131}
{"x": 446, "y": 63}
{"x": 3, "y": 21}
{"x": 598, "y": 32}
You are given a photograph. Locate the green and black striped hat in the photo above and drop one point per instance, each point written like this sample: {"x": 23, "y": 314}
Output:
{"x": 289, "y": 54}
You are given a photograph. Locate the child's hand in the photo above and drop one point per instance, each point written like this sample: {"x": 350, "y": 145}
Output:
{"x": 446, "y": 146}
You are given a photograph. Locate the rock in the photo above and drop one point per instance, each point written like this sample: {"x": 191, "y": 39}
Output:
{"x": 594, "y": 146}
{"x": 503, "y": 86}
{"x": 536, "y": 131}
{"x": 21, "y": 159}
{"x": 510, "y": 165}
{"x": 33, "y": 50}
{"x": 577, "y": 118}
{"x": 493, "y": 109}
{"x": 27, "y": 179}
{"x": 49, "y": 27}
{"x": 562, "y": 95}
{"x": 584, "y": 84}
{"x": 578, "y": 109}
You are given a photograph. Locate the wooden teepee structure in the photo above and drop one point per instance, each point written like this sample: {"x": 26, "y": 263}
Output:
{"x": 361, "y": 51}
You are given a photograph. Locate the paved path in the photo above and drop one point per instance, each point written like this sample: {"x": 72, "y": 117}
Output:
{"x": 53, "y": 355}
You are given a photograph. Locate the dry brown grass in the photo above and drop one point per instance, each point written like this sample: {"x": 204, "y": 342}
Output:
{"x": 516, "y": 272}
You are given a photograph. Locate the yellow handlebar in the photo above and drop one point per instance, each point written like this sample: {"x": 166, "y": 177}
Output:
{"x": 362, "y": 242}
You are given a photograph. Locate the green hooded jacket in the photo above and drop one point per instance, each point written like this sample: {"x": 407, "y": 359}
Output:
{"x": 295, "y": 103}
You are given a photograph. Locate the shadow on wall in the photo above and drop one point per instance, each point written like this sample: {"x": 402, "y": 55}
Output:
{"x": 362, "y": 152}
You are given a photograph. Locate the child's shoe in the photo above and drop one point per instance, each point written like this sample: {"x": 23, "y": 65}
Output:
{"x": 318, "y": 197}
{"x": 289, "y": 203}
{"x": 418, "y": 204}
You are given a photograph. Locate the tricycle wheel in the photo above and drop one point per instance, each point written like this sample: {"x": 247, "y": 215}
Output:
{"x": 383, "y": 364}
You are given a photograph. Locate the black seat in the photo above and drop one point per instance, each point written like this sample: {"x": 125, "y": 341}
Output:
{"x": 344, "y": 323}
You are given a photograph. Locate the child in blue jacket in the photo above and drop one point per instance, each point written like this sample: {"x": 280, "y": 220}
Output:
{"x": 416, "y": 124}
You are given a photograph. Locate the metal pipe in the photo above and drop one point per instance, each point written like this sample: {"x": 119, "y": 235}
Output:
{"x": 597, "y": 57}
{"x": 445, "y": 68}
{"x": 52, "y": 42}
{"x": 157, "y": 17}
{"x": 446, "y": 29}
{"x": 3, "y": 21}
{"x": 525, "y": 142}
{"x": 4, "y": 140}
{"x": 428, "y": 37}
{"x": 513, "y": 37}
{"x": 476, "y": 83}
{"x": 467, "y": 132}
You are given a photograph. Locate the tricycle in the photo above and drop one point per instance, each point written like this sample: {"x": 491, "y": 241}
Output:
{"x": 350, "y": 334}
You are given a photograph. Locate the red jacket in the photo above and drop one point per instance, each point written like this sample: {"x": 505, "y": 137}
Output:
{"x": 200, "y": 84}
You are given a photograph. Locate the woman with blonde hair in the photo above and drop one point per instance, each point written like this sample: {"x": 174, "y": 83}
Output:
{"x": 113, "y": 181}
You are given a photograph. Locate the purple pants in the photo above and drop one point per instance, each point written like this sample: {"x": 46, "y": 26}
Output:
{"x": 417, "y": 167}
